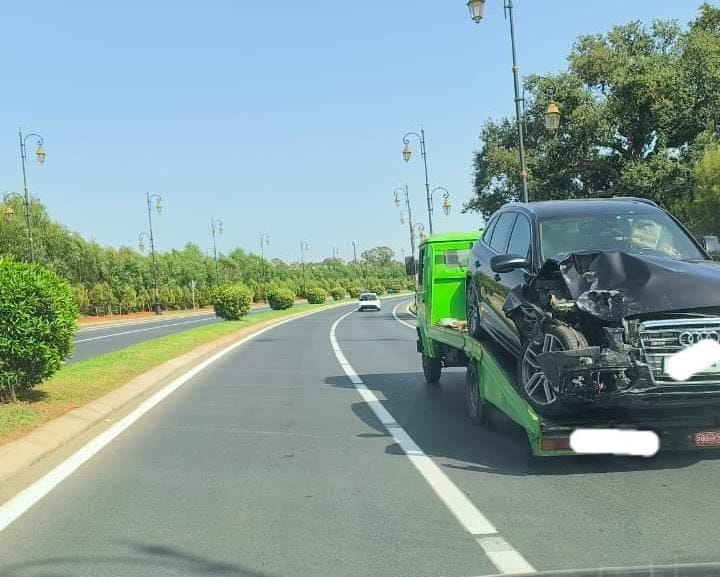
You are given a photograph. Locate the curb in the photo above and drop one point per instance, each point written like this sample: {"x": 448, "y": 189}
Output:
{"x": 18, "y": 456}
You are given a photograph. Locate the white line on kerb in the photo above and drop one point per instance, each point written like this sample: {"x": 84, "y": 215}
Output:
{"x": 498, "y": 550}
{"x": 11, "y": 510}
{"x": 143, "y": 330}
{"x": 398, "y": 319}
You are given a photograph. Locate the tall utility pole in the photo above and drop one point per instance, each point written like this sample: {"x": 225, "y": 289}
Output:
{"x": 264, "y": 240}
{"x": 477, "y": 8}
{"x": 355, "y": 245}
{"x": 304, "y": 247}
{"x": 407, "y": 153}
{"x": 40, "y": 155}
{"x": 216, "y": 224}
{"x": 158, "y": 207}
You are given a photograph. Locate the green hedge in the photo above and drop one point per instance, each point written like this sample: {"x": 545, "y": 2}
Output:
{"x": 354, "y": 291}
{"x": 378, "y": 289}
{"x": 315, "y": 295}
{"x": 232, "y": 302}
{"x": 38, "y": 318}
{"x": 280, "y": 298}
{"x": 337, "y": 293}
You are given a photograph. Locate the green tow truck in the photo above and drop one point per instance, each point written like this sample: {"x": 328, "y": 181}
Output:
{"x": 443, "y": 341}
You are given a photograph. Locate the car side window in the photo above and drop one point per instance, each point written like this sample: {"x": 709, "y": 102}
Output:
{"x": 520, "y": 237}
{"x": 504, "y": 225}
{"x": 487, "y": 235}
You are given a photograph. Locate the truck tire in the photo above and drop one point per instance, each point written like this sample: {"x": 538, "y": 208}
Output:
{"x": 473, "y": 402}
{"x": 432, "y": 368}
{"x": 472, "y": 311}
{"x": 533, "y": 385}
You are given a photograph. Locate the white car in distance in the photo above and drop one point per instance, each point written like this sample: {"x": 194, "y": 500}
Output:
{"x": 369, "y": 301}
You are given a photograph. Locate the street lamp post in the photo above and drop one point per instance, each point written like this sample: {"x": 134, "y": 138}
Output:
{"x": 446, "y": 195}
{"x": 477, "y": 10}
{"x": 40, "y": 155}
{"x": 151, "y": 237}
{"x": 264, "y": 240}
{"x": 216, "y": 225}
{"x": 355, "y": 247}
{"x": 407, "y": 154}
{"x": 304, "y": 247}
{"x": 408, "y": 209}
{"x": 421, "y": 231}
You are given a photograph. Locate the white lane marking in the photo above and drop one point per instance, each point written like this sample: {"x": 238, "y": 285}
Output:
{"x": 398, "y": 319}
{"x": 143, "y": 330}
{"x": 499, "y": 551}
{"x": 11, "y": 510}
{"x": 156, "y": 319}
{"x": 408, "y": 311}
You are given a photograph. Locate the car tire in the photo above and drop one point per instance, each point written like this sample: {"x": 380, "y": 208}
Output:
{"x": 474, "y": 404}
{"x": 432, "y": 368}
{"x": 472, "y": 310}
{"x": 536, "y": 389}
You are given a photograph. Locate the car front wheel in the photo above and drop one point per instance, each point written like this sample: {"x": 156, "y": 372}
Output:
{"x": 535, "y": 386}
{"x": 472, "y": 311}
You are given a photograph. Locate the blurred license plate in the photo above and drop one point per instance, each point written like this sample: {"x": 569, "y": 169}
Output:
{"x": 712, "y": 369}
{"x": 707, "y": 439}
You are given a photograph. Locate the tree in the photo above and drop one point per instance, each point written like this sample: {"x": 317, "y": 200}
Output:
{"x": 638, "y": 106}
{"x": 128, "y": 300}
{"x": 379, "y": 256}
{"x": 706, "y": 207}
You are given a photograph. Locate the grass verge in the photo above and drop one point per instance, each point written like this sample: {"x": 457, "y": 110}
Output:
{"x": 77, "y": 384}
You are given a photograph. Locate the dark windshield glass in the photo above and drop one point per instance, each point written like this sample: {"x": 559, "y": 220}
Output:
{"x": 640, "y": 234}
{"x": 368, "y": 297}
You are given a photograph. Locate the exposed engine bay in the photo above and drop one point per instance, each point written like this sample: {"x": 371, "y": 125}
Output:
{"x": 629, "y": 313}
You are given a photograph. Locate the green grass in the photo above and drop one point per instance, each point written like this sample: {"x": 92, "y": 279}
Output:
{"x": 79, "y": 383}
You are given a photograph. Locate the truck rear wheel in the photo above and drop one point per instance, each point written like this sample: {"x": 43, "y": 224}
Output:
{"x": 432, "y": 367}
{"x": 535, "y": 387}
{"x": 473, "y": 402}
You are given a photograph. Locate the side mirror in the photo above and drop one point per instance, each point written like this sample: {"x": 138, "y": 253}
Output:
{"x": 711, "y": 244}
{"x": 410, "y": 267}
{"x": 508, "y": 263}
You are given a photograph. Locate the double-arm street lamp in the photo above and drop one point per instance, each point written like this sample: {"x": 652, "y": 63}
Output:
{"x": 408, "y": 210}
{"x": 304, "y": 247}
{"x": 421, "y": 230}
{"x": 264, "y": 240}
{"x": 477, "y": 11}
{"x": 407, "y": 154}
{"x": 216, "y": 226}
{"x": 40, "y": 155}
{"x": 151, "y": 237}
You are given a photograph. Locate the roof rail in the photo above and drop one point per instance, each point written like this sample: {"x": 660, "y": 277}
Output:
{"x": 635, "y": 198}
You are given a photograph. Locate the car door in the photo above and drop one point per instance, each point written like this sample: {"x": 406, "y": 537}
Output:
{"x": 519, "y": 243}
{"x": 490, "y": 291}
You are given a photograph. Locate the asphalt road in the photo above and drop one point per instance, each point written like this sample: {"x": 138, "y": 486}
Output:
{"x": 93, "y": 341}
{"x": 269, "y": 463}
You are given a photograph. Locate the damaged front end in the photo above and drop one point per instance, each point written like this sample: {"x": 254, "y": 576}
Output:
{"x": 624, "y": 316}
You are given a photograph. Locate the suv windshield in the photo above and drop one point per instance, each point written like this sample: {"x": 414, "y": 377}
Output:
{"x": 368, "y": 297}
{"x": 639, "y": 234}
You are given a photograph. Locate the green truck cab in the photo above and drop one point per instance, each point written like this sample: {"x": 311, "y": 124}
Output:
{"x": 490, "y": 388}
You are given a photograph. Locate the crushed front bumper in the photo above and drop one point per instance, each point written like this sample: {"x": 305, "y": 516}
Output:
{"x": 603, "y": 377}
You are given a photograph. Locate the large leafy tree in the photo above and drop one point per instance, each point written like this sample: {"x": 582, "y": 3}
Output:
{"x": 639, "y": 106}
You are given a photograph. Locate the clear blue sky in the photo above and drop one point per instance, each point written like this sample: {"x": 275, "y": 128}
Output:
{"x": 276, "y": 116}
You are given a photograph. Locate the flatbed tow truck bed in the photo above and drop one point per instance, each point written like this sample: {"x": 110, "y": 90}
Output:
{"x": 678, "y": 428}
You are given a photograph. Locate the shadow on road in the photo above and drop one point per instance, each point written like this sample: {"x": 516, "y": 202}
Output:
{"x": 435, "y": 418}
{"x": 141, "y": 559}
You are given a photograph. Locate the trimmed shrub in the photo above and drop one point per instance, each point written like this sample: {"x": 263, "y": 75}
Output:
{"x": 38, "y": 317}
{"x": 232, "y": 302}
{"x": 394, "y": 286}
{"x": 280, "y": 298}
{"x": 337, "y": 293}
{"x": 315, "y": 295}
{"x": 378, "y": 289}
{"x": 354, "y": 291}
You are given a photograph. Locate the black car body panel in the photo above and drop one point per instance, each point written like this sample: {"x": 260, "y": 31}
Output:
{"x": 624, "y": 304}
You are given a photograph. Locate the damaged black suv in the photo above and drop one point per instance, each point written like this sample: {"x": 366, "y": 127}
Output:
{"x": 592, "y": 296}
